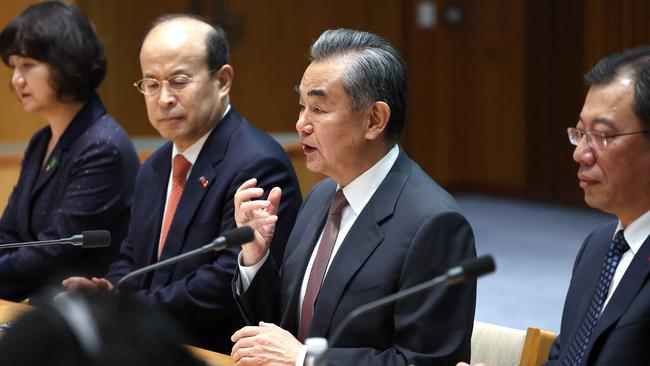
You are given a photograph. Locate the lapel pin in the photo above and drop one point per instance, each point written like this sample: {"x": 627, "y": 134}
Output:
{"x": 52, "y": 164}
{"x": 204, "y": 182}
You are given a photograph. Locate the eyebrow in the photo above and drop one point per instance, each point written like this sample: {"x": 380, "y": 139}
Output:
{"x": 317, "y": 93}
{"x": 180, "y": 71}
{"x": 601, "y": 121}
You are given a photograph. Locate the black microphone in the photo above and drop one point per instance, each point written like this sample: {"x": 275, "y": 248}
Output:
{"x": 87, "y": 239}
{"x": 227, "y": 240}
{"x": 468, "y": 270}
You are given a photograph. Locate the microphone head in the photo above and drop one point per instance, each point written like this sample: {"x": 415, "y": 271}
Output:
{"x": 95, "y": 238}
{"x": 478, "y": 266}
{"x": 238, "y": 236}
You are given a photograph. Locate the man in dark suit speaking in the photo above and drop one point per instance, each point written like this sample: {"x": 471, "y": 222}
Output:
{"x": 378, "y": 225}
{"x": 184, "y": 191}
{"x": 606, "y": 319}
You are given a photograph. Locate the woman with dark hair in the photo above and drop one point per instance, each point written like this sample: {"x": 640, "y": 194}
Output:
{"x": 78, "y": 171}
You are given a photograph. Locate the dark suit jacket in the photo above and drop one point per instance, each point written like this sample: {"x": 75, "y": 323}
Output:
{"x": 196, "y": 291}
{"x": 409, "y": 232}
{"x": 622, "y": 334}
{"x": 87, "y": 184}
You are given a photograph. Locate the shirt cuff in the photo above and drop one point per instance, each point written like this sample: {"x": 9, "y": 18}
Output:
{"x": 302, "y": 352}
{"x": 246, "y": 274}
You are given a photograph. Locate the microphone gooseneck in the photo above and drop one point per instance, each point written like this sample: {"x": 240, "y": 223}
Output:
{"x": 87, "y": 239}
{"x": 468, "y": 270}
{"x": 227, "y": 240}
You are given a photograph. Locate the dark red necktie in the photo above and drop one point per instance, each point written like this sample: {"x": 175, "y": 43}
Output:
{"x": 319, "y": 267}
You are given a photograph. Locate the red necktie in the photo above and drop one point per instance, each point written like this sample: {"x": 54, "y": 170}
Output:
{"x": 317, "y": 274}
{"x": 180, "y": 167}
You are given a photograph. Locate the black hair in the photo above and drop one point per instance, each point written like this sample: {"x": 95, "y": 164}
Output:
{"x": 216, "y": 41}
{"x": 633, "y": 63}
{"x": 60, "y": 35}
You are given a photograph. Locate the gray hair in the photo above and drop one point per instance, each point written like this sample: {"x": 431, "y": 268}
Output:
{"x": 376, "y": 72}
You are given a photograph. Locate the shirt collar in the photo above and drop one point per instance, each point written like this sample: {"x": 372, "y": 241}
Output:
{"x": 192, "y": 152}
{"x": 637, "y": 232}
{"x": 360, "y": 190}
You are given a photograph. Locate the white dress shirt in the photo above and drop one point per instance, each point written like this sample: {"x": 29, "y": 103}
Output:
{"x": 635, "y": 234}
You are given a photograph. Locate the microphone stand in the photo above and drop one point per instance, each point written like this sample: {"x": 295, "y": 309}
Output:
{"x": 228, "y": 239}
{"x": 155, "y": 266}
{"x": 469, "y": 270}
{"x": 74, "y": 240}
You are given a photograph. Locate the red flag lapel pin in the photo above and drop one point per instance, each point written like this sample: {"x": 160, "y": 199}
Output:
{"x": 204, "y": 182}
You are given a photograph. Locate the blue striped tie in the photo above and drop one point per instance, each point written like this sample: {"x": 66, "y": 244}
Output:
{"x": 578, "y": 346}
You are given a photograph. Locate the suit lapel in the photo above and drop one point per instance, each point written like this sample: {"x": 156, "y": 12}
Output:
{"x": 33, "y": 166}
{"x": 206, "y": 166}
{"x": 157, "y": 184}
{"x": 361, "y": 241}
{"x": 30, "y": 171}
{"x": 359, "y": 244}
{"x": 192, "y": 196}
{"x": 633, "y": 279}
{"x": 47, "y": 171}
{"x": 91, "y": 112}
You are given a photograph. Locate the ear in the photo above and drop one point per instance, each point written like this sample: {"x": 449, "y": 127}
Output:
{"x": 378, "y": 116}
{"x": 224, "y": 78}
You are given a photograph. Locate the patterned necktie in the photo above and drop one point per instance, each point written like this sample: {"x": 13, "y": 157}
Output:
{"x": 180, "y": 167}
{"x": 576, "y": 352}
{"x": 317, "y": 273}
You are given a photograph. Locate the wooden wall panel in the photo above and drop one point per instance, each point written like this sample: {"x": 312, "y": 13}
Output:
{"x": 568, "y": 90}
{"x": 611, "y": 26}
{"x": 466, "y": 121}
{"x": 539, "y": 100}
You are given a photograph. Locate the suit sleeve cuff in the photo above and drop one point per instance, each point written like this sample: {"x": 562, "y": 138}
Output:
{"x": 246, "y": 274}
{"x": 302, "y": 353}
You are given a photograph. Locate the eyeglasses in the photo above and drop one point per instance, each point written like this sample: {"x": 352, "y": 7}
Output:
{"x": 596, "y": 140}
{"x": 176, "y": 83}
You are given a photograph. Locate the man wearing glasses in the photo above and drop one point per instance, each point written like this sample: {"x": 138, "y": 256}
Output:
{"x": 606, "y": 319}
{"x": 184, "y": 191}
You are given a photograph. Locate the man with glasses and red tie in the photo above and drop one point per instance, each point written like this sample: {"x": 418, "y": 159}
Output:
{"x": 184, "y": 191}
{"x": 606, "y": 319}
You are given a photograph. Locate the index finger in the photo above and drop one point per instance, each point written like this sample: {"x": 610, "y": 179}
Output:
{"x": 248, "y": 331}
{"x": 72, "y": 281}
{"x": 247, "y": 184}
{"x": 248, "y": 194}
{"x": 274, "y": 198}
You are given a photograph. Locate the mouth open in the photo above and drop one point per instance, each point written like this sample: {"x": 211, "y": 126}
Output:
{"x": 308, "y": 149}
